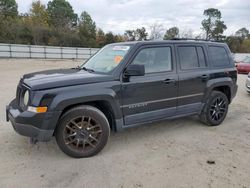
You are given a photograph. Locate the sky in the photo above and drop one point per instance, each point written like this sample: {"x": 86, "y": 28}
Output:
{"x": 120, "y": 15}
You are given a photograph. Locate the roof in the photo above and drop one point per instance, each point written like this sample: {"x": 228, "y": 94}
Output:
{"x": 174, "y": 41}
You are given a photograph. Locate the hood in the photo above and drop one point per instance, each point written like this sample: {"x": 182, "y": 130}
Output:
{"x": 61, "y": 78}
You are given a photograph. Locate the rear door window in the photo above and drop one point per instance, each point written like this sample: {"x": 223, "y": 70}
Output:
{"x": 191, "y": 57}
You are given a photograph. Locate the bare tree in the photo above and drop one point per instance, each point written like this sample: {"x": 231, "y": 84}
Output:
{"x": 187, "y": 33}
{"x": 156, "y": 31}
{"x": 200, "y": 36}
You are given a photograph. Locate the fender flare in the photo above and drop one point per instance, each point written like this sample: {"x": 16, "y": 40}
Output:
{"x": 70, "y": 98}
{"x": 211, "y": 84}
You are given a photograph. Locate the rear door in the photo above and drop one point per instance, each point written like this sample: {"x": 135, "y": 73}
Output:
{"x": 154, "y": 95}
{"x": 193, "y": 73}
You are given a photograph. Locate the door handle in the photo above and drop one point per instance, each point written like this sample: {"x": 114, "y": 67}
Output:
{"x": 204, "y": 77}
{"x": 168, "y": 81}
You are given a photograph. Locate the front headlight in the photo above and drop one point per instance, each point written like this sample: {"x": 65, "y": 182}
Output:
{"x": 26, "y": 97}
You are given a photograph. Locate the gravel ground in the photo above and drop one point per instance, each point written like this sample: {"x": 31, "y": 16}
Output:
{"x": 168, "y": 154}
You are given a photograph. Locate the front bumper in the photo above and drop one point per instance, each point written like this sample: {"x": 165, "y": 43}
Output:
{"x": 248, "y": 84}
{"x": 37, "y": 126}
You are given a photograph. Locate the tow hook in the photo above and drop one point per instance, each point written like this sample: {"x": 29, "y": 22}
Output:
{"x": 33, "y": 140}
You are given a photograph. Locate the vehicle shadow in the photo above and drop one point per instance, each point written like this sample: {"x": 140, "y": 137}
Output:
{"x": 118, "y": 140}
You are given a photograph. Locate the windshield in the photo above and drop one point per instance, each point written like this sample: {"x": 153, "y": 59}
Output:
{"x": 107, "y": 59}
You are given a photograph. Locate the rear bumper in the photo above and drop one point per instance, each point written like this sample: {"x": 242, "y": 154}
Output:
{"x": 234, "y": 91}
{"x": 38, "y": 126}
{"x": 243, "y": 71}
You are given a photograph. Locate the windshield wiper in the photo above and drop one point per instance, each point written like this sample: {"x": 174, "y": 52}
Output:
{"x": 84, "y": 68}
{"x": 87, "y": 69}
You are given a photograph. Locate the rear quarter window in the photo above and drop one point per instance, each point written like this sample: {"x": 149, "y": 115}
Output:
{"x": 219, "y": 56}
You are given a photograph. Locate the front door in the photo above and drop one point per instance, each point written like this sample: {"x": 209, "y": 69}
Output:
{"x": 154, "y": 95}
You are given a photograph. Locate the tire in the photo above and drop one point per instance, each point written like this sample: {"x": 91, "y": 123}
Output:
{"x": 215, "y": 109}
{"x": 82, "y": 132}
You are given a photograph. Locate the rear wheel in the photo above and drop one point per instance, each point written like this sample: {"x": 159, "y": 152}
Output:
{"x": 82, "y": 132}
{"x": 215, "y": 110}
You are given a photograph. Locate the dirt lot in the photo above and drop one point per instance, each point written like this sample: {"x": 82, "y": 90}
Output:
{"x": 168, "y": 154}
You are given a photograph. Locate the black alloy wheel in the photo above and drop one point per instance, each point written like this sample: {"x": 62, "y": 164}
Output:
{"x": 215, "y": 109}
{"x": 218, "y": 109}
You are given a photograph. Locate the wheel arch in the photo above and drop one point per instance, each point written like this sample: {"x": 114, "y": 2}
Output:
{"x": 224, "y": 85}
{"x": 105, "y": 99}
{"x": 224, "y": 89}
{"x": 103, "y": 105}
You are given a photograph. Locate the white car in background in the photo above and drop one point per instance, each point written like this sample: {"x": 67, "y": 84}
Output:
{"x": 248, "y": 83}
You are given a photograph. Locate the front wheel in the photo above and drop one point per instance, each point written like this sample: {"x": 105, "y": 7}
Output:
{"x": 215, "y": 110}
{"x": 82, "y": 132}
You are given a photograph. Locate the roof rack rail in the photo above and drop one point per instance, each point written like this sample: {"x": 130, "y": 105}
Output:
{"x": 194, "y": 39}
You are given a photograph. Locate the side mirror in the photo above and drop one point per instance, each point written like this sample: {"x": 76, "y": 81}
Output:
{"x": 135, "y": 70}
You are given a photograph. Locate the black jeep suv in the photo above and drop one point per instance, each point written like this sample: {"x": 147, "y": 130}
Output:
{"x": 122, "y": 86}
